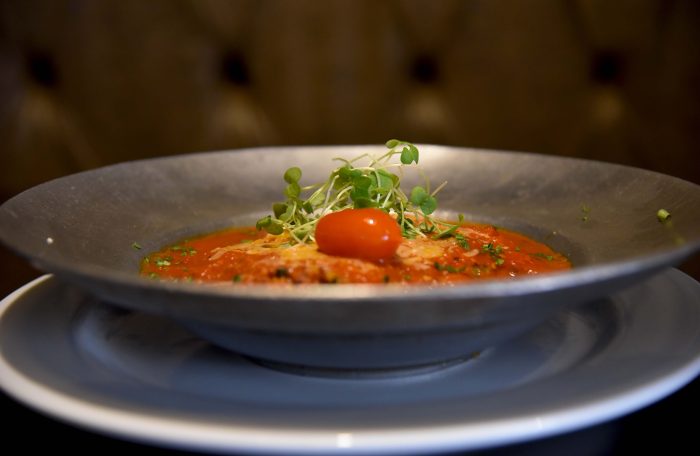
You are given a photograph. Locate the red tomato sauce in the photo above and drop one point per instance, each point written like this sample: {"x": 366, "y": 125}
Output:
{"x": 245, "y": 255}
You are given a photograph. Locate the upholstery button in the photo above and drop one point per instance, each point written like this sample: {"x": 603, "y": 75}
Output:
{"x": 424, "y": 69}
{"x": 608, "y": 67}
{"x": 41, "y": 69}
{"x": 234, "y": 69}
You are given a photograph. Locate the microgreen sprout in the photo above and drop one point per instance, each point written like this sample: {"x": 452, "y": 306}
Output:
{"x": 353, "y": 185}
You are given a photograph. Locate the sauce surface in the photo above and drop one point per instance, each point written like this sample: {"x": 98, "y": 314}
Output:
{"x": 246, "y": 255}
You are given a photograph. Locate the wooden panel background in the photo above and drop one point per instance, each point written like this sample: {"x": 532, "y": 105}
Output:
{"x": 86, "y": 83}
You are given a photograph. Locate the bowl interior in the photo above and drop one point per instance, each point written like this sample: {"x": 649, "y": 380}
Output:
{"x": 593, "y": 212}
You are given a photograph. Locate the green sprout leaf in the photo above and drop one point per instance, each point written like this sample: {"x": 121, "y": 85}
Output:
{"x": 421, "y": 198}
{"x": 263, "y": 222}
{"x": 279, "y": 209}
{"x": 409, "y": 154}
{"x": 308, "y": 207}
{"x": 275, "y": 228}
{"x": 292, "y": 191}
{"x": 428, "y": 205}
{"x": 292, "y": 175}
{"x": 270, "y": 225}
{"x": 383, "y": 181}
{"x": 392, "y": 143}
{"x": 352, "y": 185}
{"x": 287, "y": 214}
{"x": 418, "y": 195}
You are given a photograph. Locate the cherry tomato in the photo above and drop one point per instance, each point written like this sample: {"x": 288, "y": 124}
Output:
{"x": 368, "y": 234}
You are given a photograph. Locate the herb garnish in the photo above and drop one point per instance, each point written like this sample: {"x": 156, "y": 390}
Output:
{"x": 352, "y": 186}
{"x": 449, "y": 268}
{"x": 163, "y": 262}
{"x": 462, "y": 241}
{"x": 663, "y": 215}
{"x": 585, "y": 210}
{"x": 184, "y": 250}
{"x": 494, "y": 251}
{"x": 544, "y": 256}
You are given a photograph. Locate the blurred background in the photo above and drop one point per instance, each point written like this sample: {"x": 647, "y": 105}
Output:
{"x": 86, "y": 83}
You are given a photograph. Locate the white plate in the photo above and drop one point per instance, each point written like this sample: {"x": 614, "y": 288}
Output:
{"x": 143, "y": 378}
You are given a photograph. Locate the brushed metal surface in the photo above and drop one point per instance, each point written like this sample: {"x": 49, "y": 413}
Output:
{"x": 82, "y": 228}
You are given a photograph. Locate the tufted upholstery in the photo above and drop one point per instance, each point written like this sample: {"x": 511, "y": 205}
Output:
{"x": 85, "y": 83}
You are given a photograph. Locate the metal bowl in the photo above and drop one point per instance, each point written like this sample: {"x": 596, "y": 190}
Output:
{"x": 602, "y": 216}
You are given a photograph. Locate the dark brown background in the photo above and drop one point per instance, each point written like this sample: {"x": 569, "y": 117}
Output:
{"x": 87, "y": 83}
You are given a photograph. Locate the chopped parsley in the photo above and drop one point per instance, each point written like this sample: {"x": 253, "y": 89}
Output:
{"x": 449, "y": 268}
{"x": 663, "y": 215}
{"x": 163, "y": 262}
{"x": 184, "y": 250}
{"x": 585, "y": 210}
{"x": 462, "y": 241}
{"x": 494, "y": 252}
{"x": 544, "y": 256}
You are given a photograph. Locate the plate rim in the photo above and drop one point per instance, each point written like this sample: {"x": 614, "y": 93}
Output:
{"x": 174, "y": 432}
